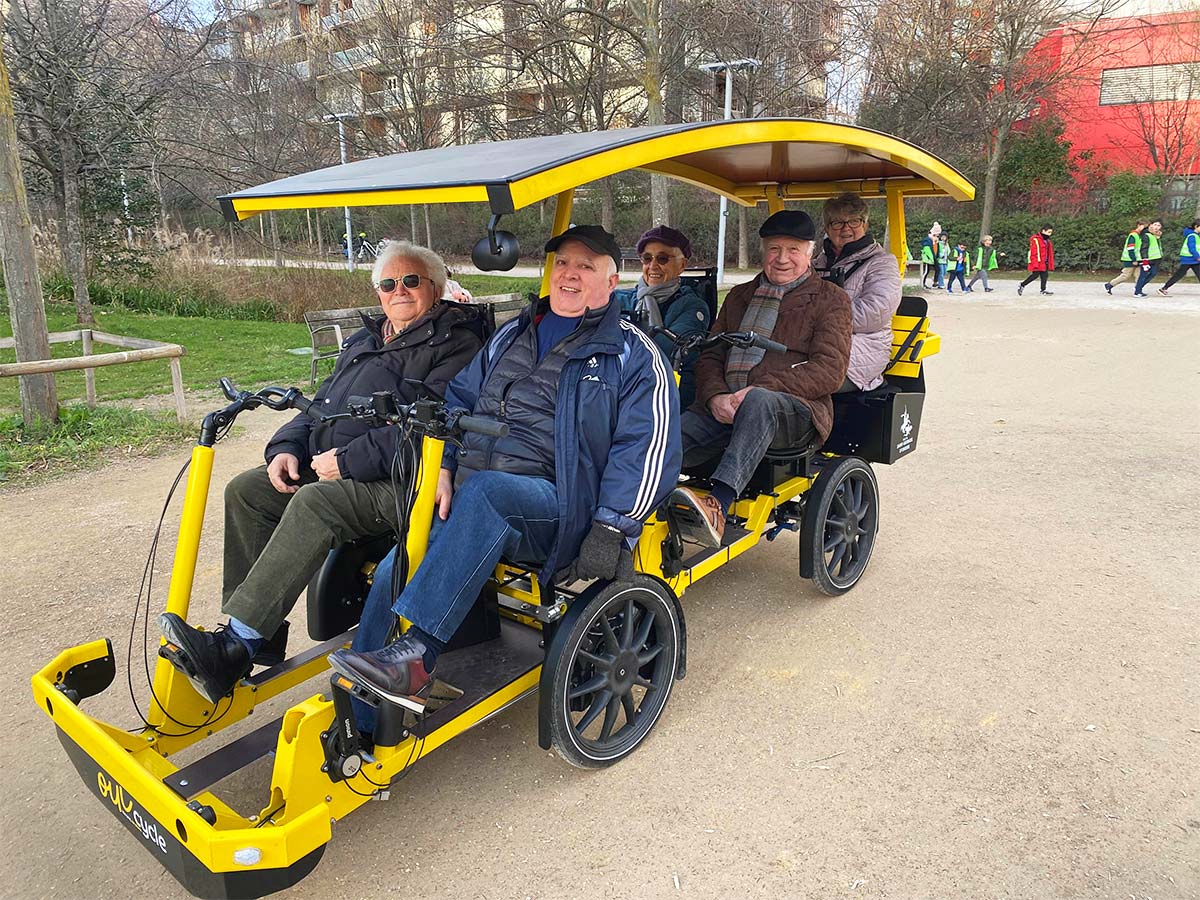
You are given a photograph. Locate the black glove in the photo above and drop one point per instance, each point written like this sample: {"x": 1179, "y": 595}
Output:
{"x": 603, "y": 554}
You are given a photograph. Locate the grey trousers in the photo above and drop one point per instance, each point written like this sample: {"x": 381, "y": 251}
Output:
{"x": 275, "y": 542}
{"x": 765, "y": 420}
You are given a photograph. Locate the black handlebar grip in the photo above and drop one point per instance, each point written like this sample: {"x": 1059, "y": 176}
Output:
{"x": 488, "y": 427}
{"x": 765, "y": 343}
{"x": 302, "y": 403}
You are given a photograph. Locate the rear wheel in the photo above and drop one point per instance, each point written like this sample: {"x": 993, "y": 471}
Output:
{"x": 614, "y": 673}
{"x": 844, "y": 510}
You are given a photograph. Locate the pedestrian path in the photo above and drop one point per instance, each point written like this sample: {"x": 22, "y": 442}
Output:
{"x": 1184, "y": 298}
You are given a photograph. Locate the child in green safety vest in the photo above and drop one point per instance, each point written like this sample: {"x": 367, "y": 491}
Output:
{"x": 928, "y": 258}
{"x": 1131, "y": 255}
{"x": 985, "y": 261}
{"x": 960, "y": 267}
{"x": 1151, "y": 256}
{"x": 942, "y": 254}
{"x": 1189, "y": 256}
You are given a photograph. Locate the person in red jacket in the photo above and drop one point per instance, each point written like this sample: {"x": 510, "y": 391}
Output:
{"x": 1041, "y": 259}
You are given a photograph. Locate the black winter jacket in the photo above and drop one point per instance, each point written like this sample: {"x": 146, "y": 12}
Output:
{"x": 431, "y": 351}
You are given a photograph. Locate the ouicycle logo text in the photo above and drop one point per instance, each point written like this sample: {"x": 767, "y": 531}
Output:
{"x": 110, "y": 790}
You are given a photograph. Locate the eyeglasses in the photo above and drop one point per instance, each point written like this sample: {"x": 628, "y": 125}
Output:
{"x": 661, "y": 258}
{"x": 848, "y": 223}
{"x": 410, "y": 281}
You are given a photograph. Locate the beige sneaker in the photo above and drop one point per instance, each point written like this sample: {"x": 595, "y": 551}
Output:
{"x": 700, "y": 516}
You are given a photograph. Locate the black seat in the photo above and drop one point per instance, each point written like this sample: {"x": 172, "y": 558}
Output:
{"x": 704, "y": 280}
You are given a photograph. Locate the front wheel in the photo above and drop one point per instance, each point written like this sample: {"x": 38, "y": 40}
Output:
{"x": 840, "y": 524}
{"x": 614, "y": 673}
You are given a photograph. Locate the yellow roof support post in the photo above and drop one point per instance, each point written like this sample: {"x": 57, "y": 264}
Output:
{"x": 564, "y": 203}
{"x": 897, "y": 235}
{"x": 775, "y": 199}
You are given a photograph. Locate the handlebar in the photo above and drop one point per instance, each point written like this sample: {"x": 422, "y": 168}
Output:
{"x": 488, "y": 427}
{"x": 687, "y": 343}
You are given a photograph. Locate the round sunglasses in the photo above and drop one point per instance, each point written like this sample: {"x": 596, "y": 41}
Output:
{"x": 662, "y": 259}
{"x": 410, "y": 281}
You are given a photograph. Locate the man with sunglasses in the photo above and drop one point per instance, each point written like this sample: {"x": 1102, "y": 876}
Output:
{"x": 325, "y": 483}
{"x": 662, "y": 299}
{"x": 592, "y": 448}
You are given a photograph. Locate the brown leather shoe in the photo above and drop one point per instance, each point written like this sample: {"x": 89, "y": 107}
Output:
{"x": 700, "y": 516}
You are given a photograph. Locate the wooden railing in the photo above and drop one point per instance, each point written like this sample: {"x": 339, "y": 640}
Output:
{"x": 135, "y": 350}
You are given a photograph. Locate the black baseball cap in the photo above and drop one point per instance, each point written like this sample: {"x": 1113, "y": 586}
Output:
{"x": 791, "y": 223}
{"x": 592, "y": 236}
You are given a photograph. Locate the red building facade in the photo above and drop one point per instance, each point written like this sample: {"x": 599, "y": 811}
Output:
{"x": 1133, "y": 98}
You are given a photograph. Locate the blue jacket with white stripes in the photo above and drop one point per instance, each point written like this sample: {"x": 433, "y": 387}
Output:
{"x": 616, "y": 440}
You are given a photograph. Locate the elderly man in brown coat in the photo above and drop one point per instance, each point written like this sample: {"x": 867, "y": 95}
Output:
{"x": 748, "y": 400}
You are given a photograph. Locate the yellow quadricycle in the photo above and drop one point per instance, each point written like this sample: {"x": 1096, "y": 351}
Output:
{"x": 604, "y": 657}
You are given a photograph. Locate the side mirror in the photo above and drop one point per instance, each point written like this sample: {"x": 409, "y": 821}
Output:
{"x": 498, "y": 252}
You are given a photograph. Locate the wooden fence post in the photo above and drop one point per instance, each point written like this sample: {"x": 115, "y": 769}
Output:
{"x": 89, "y": 375}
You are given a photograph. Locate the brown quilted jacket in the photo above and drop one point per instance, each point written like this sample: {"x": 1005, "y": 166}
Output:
{"x": 814, "y": 322}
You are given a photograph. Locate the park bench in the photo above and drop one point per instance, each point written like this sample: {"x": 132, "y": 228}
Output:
{"x": 329, "y": 328}
{"x": 630, "y": 255}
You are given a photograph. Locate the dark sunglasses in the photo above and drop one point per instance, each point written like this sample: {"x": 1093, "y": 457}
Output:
{"x": 410, "y": 281}
{"x": 662, "y": 259}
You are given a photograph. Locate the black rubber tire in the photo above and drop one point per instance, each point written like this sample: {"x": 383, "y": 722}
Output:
{"x": 590, "y": 659}
{"x": 846, "y": 522}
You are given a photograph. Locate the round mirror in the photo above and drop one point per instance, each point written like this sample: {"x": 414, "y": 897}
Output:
{"x": 499, "y": 259}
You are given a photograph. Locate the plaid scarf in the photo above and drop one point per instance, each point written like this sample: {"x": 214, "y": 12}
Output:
{"x": 760, "y": 317}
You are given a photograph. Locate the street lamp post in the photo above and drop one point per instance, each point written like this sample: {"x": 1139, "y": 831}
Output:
{"x": 340, "y": 118}
{"x": 728, "y": 68}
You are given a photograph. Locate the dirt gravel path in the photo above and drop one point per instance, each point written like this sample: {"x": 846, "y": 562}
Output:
{"x": 1006, "y": 706}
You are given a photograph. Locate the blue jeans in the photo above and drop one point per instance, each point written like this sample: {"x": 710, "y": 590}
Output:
{"x": 941, "y": 275}
{"x": 1145, "y": 276}
{"x": 493, "y": 515}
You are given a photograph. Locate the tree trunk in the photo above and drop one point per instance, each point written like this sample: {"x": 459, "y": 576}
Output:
{"x": 276, "y": 250}
{"x": 39, "y": 399}
{"x": 743, "y": 240}
{"x": 606, "y": 204}
{"x": 995, "y": 155}
{"x": 320, "y": 236}
{"x": 412, "y": 223}
{"x": 428, "y": 229}
{"x": 74, "y": 254}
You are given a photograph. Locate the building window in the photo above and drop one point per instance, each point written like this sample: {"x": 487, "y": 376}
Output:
{"x": 1150, "y": 84}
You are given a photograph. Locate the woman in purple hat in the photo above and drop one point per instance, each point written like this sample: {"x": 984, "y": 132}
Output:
{"x": 661, "y": 298}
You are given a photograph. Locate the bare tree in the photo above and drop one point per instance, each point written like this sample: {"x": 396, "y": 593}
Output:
{"x": 86, "y": 75}
{"x": 39, "y": 400}
{"x": 962, "y": 75}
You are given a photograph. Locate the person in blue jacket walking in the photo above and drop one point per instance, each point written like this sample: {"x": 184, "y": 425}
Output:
{"x": 1189, "y": 256}
{"x": 662, "y": 299}
{"x": 593, "y": 448}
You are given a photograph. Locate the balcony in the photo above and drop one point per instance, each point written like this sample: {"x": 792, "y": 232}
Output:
{"x": 345, "y": 101}
{"x": 302, "y": 70}
{"x": 360, "y": 57}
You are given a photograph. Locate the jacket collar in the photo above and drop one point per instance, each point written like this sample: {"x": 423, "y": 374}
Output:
{"x": 847, "y": 251}
{"x": 604, "y": 325}
{"x": 441, "y": 318}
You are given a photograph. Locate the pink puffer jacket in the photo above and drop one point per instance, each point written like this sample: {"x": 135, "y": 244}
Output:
{"x": 874, "y": 289}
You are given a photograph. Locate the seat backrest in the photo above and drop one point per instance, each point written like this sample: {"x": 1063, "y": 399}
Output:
{"x": 320, "y": 323}
{"x": 912, "y": 341}
{"x": 704, "y": 280}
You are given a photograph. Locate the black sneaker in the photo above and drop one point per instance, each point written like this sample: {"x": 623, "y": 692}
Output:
{"x": 1020, "y": 289}
{"x": 273, "y": 650}
{"x": 1108, "y": 287}
{"x": 1048, "y": 293}
{"x": 213, "y": 661}
{"x": 396, "y": 673}
{"x": 988, "y": 290}
{"x": 1163, "y": 291}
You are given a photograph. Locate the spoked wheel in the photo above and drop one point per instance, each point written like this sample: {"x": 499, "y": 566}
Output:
{"x": 614, "y": 673}
{"x": 841, "y": 521}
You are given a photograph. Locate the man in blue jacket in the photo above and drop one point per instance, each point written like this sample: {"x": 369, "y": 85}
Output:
{"x": 1189, "y": 256}
{"x": 592, "y": 448}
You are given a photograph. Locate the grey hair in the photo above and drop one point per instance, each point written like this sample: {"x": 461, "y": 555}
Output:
{"x": 435, "y": 267}
{"x": 843, "y": 204}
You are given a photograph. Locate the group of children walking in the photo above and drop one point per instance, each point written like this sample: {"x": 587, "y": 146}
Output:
{"x": 947, "y": 264}
{"x": 1142, "y": 254}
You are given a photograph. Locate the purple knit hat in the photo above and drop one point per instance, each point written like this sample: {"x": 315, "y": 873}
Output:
{"x": 664, "y": 234}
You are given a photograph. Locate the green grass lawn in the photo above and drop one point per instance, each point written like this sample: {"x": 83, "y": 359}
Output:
{"x": 248, "y": 352}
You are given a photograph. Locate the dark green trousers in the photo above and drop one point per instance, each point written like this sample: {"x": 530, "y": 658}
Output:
{"x": 274, "y": 543}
